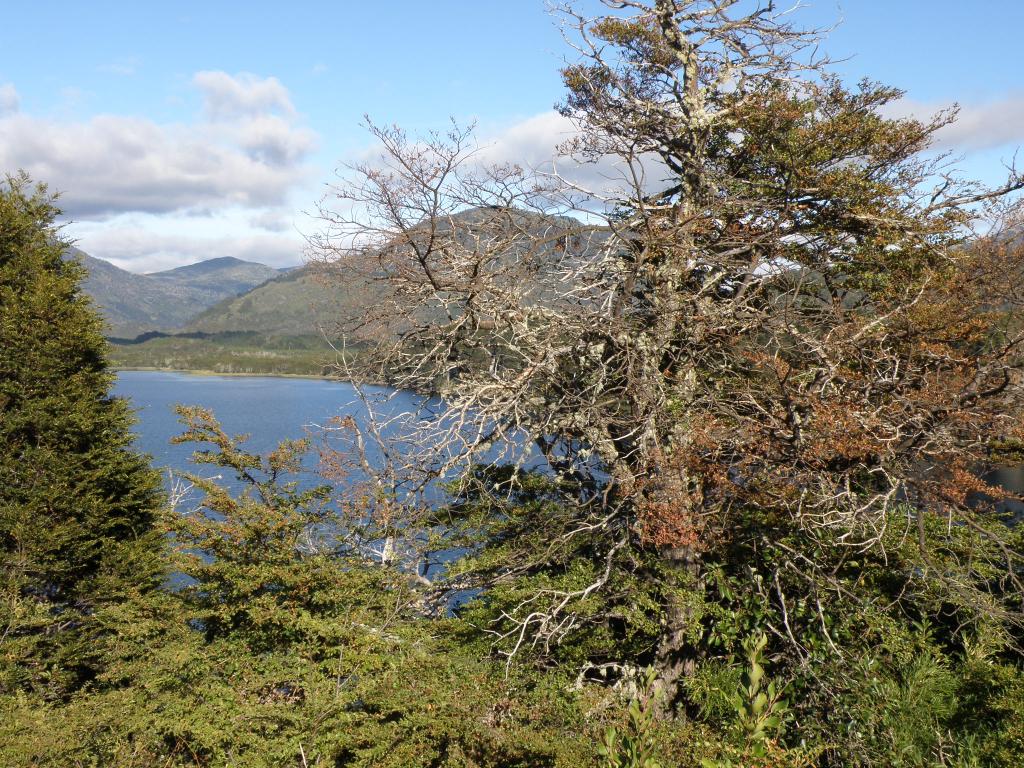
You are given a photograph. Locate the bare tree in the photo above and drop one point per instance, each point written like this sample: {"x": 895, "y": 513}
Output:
{"x": 781, "y": 309}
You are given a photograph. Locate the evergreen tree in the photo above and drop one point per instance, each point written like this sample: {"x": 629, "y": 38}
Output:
{"x": 77, "y": 504}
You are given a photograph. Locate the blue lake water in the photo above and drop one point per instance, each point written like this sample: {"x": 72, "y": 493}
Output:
{"x": 266, "y": 408}
{"x": 271, "y": 408}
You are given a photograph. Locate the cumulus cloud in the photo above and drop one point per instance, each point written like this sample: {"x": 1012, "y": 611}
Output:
{"x": 113, "y": 164}
{"x": 9, "y": 100}
{"x": 139, "y": 249}
{"x": 274, "y": 141}
{"x": 227, "y": 96}
{"x": 534, "y": 143}
{"x": 248, "y": 151}
{"x": 273, "y": 220}
{"x": 979, "y": 125}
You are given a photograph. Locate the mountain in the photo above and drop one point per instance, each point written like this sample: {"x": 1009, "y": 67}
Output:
{"x": 286, "y": 323}
{"x": 133, "y": 304}
{"x": 314, "y": 298}
{"x": 224, "y": 276}
{"x": 298, "y": 302}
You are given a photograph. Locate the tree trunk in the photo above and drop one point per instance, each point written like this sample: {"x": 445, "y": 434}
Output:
{"x": 675, "y": 658}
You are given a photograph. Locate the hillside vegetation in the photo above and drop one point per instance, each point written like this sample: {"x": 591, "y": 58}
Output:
{"x": 280, "y": 327}
{"x": 295, "y": 303}
{"x": 232, "y": 352}
{"x": 133, "y": 304}
{"x": 290, "y": 323}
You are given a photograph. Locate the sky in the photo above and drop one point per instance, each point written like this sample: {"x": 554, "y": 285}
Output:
{"x": 178, "y": 132}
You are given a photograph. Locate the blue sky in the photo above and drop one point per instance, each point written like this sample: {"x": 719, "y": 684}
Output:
{"x": 184, "y": 131}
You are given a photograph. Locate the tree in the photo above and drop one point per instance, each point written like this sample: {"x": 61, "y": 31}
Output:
{"x": 77, "y": 503}
{"x": 766, "y": 385}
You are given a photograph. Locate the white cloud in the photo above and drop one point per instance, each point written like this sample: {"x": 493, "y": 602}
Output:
{"x": 228, "y": 96}
{"x": 530, "y": 142}
{"x": 273, "y": 220}
{"x": 535, "y": 141}
{"x": 249, "y": 151}
{"x": 9, "y": 100}
{"x": 979, "y": 125}
{"x": 149, "y": 195}
{"x": 141, "y": 249}
{"x": 274, "y": 141}
{"x": 112, "y": 164}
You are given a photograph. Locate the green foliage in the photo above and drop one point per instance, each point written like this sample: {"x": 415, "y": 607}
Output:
{"x": 231, "y": 353}
{"x": 759, "y": 714}
{"x": 285, "y": 647}
{"x": 77, "y": 503}
{"x": 260, "y": 565}
{"x": 865, "y": 683}
{"x": 763, "y": 451}
{"x": 634, "y": 746}
{"x": 759, "y": 708}
{"x": 536, "y": 514}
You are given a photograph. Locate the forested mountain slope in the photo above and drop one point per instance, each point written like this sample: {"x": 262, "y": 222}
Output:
{"x": 294, "y": 303}
{"x": 133, "y": 303}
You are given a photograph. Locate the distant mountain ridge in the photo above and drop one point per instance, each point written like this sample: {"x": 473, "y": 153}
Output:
{"x": 225, "y": 273}
{"x": 224, "y": 297}
{"x": 133, "y": 304}
{"x": 315, "y": 298}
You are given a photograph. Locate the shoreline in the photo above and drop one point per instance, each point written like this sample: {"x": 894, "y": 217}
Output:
{"x": 207, "y": 372}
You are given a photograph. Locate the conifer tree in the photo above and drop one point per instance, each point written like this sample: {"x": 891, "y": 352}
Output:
{"x": 77, "y": 504}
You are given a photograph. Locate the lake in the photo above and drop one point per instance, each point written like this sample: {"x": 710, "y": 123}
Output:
{"x": 268, "y": 409}
{"x": 271, "y": 408}
{"x": 265, "y": 407}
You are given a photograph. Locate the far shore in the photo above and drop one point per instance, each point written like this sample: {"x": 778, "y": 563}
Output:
{"x": 207, "y": 372}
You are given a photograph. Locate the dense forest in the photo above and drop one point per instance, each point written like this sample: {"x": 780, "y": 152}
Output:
{"x": 707, "y": 487}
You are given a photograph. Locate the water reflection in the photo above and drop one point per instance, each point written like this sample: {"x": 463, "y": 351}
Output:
{"x": 1012, "y": 479}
